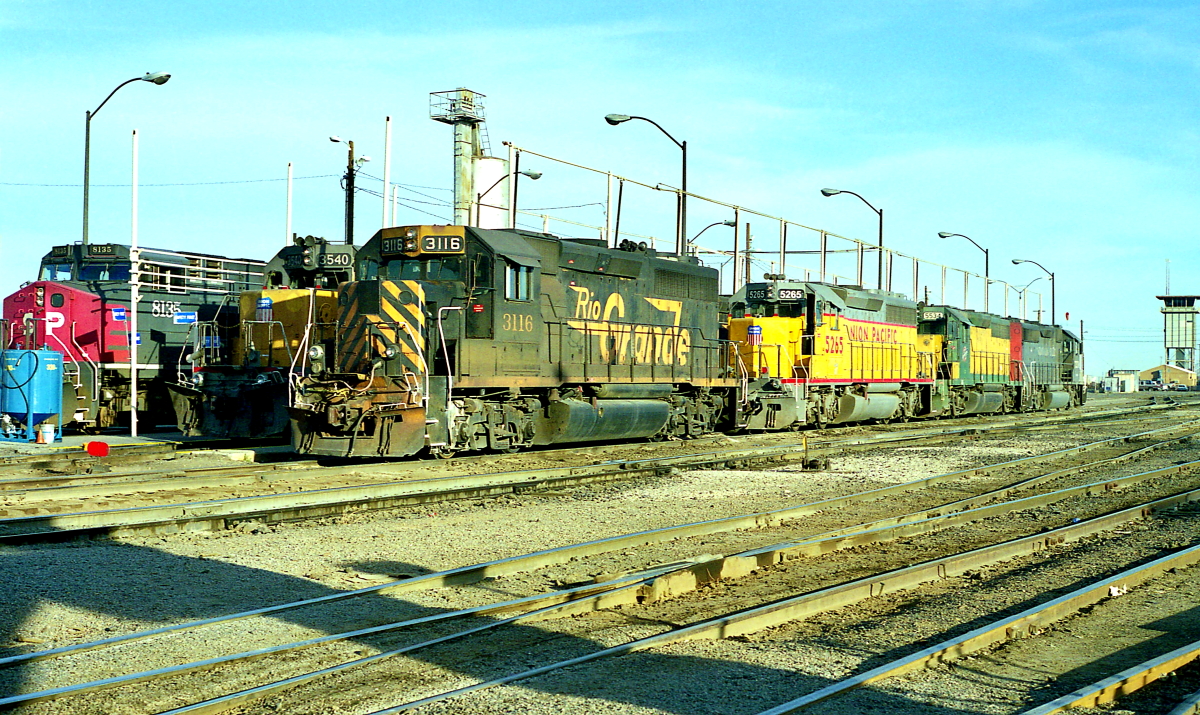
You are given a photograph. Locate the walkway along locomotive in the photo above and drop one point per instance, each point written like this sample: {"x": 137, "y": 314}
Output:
{"x": 234, "y": 379}
{"x": 79, "y": 306}
{"x": 458, "y": 338}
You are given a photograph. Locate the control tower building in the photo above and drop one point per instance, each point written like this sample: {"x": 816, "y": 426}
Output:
{"x": 1179, "y": 330}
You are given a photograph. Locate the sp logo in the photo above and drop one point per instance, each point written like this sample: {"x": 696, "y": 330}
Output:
{"x": 54, "y": 319}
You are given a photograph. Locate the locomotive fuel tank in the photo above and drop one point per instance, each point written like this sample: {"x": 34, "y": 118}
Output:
{"x": 580, "y": 421}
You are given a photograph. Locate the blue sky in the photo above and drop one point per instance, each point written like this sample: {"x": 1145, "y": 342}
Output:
{"x": 1062, "y": 132}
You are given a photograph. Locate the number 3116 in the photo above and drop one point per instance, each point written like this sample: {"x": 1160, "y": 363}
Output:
{"x": 518, "y": 323}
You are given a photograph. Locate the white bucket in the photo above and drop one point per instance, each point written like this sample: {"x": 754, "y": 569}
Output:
{"x": 45, "y": 434}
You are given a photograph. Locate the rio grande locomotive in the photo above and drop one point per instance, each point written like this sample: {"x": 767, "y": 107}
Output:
{"x": 456, "y": 338}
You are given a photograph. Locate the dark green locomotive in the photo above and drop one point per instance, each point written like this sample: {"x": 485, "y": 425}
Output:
{"x": 458, "y": 338}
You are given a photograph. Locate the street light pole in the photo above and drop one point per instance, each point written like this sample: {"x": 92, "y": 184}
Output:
{"x": 681, "y": 208}
{"x": 987, "y": 282}
{"x": 158, "y": 78}
{"x": 533, "y": 176}
{"x": 835, "y": 192}
{"x": 1022, "y": 291}
{"x": 718, "y": 223}
{"x": 1053, "y": 313}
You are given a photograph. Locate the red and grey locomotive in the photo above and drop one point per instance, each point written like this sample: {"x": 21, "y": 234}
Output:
{"x": 80, "y": 304}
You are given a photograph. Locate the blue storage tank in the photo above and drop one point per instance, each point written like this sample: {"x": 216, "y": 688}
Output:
{"x": 31, "y": 380}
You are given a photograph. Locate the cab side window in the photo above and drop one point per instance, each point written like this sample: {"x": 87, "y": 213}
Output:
{"x": 518, "y": 282}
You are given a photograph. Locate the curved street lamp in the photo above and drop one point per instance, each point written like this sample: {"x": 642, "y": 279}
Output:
{"x": 158, "y": 78}
{"x": 1053, "y": 315}
{"x": 533, "y": 175}
{"x": 987, "y": 283}
{"x": 681, "y": 215}
{"x": 835, "y": 192}
{"x": 1022, "y": 292}
{"x": 718, "y": 223}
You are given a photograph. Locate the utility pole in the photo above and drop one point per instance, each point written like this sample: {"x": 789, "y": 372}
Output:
{"x": 350, "y": 194}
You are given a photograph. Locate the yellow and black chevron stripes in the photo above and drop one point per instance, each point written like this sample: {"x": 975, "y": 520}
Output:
{"x": 352, "y": 327}
{"x": 375, "y": 316}
{"x": 402, "y": 306}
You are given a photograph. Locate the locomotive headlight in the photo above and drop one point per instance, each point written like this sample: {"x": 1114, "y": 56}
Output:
{"x": 39, "y": 296}
{"x": 306, "y": 257}
{"x": 389, "y": 352}
{"x": 410, "y": 244}
{"x": 316, "y": 357}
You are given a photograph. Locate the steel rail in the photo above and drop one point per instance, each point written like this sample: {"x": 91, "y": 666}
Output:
{"x": 90, "y": 487}
{"x": 660, "y": 582}
{"x": 539, "y": 605}
{"x": 1188, "y": 706}
{"x": 72, "y": 458}
{"x": 146, "y": 451}
{"x": 563, "y": 554}
{"x": 130, "y": 480}
{"x": 215, "y": 514}
{"x": 1029, "y": 620}
{"x": 1127, "y": 681}
{"x": 970, "y": 504}
{"x": 823, "y": 600}
{"x": 691, "y": 577}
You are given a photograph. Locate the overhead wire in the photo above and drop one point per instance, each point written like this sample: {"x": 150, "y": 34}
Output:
{"x": 190, "y": 183}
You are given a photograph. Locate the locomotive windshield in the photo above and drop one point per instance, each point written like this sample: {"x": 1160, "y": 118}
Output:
{"x": 56, "y": 272}
{"x": 106, "y": 271}
{"x": 431, "y": 269}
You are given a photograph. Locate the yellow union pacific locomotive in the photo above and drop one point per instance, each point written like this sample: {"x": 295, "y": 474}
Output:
{"x": 846, "y": 354}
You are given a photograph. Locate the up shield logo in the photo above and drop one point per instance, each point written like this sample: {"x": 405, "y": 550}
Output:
{"x": 623, "y": 343}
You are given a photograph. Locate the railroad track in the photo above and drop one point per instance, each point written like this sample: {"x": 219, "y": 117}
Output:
{"x": 295, "y": 491}
{"x": 668, "y": 600}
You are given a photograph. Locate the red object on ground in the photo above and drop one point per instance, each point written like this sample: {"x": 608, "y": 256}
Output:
{"x": 97, "y": 449}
